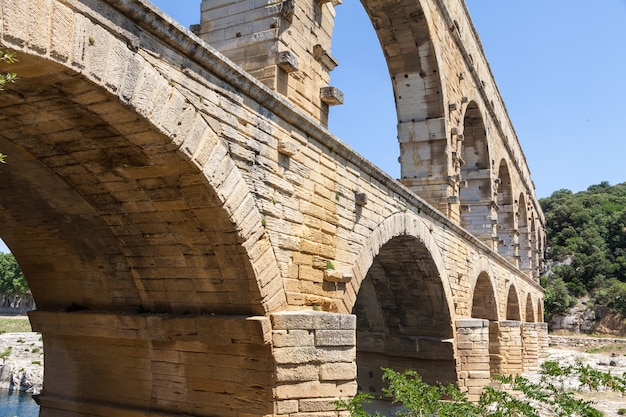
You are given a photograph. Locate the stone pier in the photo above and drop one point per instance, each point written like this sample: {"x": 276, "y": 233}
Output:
{"x": 473, "y": 355}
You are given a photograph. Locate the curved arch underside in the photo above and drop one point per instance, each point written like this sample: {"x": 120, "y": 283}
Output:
{"x": 102, "y": 211}
{"x": 403, "y": 319}
{"x": 405, "y": 37}
{"x": 512, "y": 305}
{"x": 484, "y": 304}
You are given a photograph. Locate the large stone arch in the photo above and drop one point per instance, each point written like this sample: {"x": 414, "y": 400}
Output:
{"x": 102, "y": 191}
{"x": 414, "y": 57}
{"x": 136, "y": 231}
{"x": 403, "y": 305}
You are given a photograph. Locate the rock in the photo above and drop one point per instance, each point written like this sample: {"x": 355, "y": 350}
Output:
{"x": 21, "y": 367}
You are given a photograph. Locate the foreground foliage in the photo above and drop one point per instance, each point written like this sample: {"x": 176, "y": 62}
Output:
{"x": 6, "y": 78}
{"x": 521, "y": 397}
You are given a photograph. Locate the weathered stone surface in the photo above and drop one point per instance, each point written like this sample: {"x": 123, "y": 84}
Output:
{"x": 161, "y": 217}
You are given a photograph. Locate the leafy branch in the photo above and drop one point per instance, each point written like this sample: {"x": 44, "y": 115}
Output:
{"x": 6, "y": 78}
{"x": 9, "y": 77}
{"x": 519, "y": 397}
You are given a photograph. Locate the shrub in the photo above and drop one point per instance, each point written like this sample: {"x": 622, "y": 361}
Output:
{"x": 557, "y": 299}
{"x": 522, "y": 398}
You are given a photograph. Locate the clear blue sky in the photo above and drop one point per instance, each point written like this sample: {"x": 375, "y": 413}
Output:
{"x": 559, "y": 64}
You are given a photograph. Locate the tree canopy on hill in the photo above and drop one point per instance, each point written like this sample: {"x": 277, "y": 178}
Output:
{"x": 586, "y": 246}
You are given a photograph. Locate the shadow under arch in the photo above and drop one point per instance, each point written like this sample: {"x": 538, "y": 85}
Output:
{"x": 512, "y": 304}
{"x": 530, "y": 310}
{"x": 403, "y": 308}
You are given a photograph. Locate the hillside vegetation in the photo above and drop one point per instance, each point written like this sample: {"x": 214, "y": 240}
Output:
{"x": 586, "y": 248}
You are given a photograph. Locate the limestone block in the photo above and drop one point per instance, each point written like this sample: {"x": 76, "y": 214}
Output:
{"x": 335, "y": 338}
{"x": 337, "y": 371}
{"x": 286, "y": 407}
{"x": 297, "y": 373}
{"x": 316, "y": 405}
{"x": 288, "y": 338}
{"x": 331, "y": 95}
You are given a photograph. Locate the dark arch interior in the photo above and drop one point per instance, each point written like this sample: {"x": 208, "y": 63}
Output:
{"x": 484, "y": 300}
{"x": 512, "y": 305}
{"x": 403, "y": 319}
{"x": 103, "y": 213}
{"x": 530, "y": 313}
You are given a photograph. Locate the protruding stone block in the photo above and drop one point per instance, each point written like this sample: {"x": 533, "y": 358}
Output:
{"x": 332, "y": 275}
{"x": 287, "y": 148}
{"x": 331, "y": 95}
{"x": 325, "y": 58}
{"x": 360, "y": 199}
{"x": 287, "y": 61}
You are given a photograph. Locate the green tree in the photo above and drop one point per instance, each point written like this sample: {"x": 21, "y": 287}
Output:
{"x": 557, "y": 298}
{"x": 586, "y": 240}
{"x": 12, "y": 280}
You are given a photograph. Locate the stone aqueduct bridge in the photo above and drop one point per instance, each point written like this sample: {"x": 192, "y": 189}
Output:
{"x": 198, "y": 243}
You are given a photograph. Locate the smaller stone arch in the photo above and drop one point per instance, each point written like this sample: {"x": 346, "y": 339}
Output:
{"x": 530, "y": 311}
{"x": 403, "y": 311}
{"x": 484, "y": 302}
{"x": 506, "y": 232}
{"x": 485, "y": 306}
{"x": 524, "y": 235}
{"x": 512, "y": 304}
{"x": 475, "y": 175}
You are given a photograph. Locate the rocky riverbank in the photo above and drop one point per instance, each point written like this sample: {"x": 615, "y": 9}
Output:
{"x": 603, "y": 355}
{"x": 21, "y": 362}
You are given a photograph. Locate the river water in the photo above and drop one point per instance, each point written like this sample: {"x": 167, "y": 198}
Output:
{"x": 17, "y": 404}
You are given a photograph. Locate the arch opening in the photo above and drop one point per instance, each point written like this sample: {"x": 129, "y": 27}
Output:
{"x": 507, "y": 234}
{"x": 475, "y": 194}
{"x": 403, "y": 317}
{"x": 512, "y": 305}
{"x": 525, "y": 248}
{"x": 530, "y": 311}
{"x": 484, "y": 306}
{"x": 102, "y": 212}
